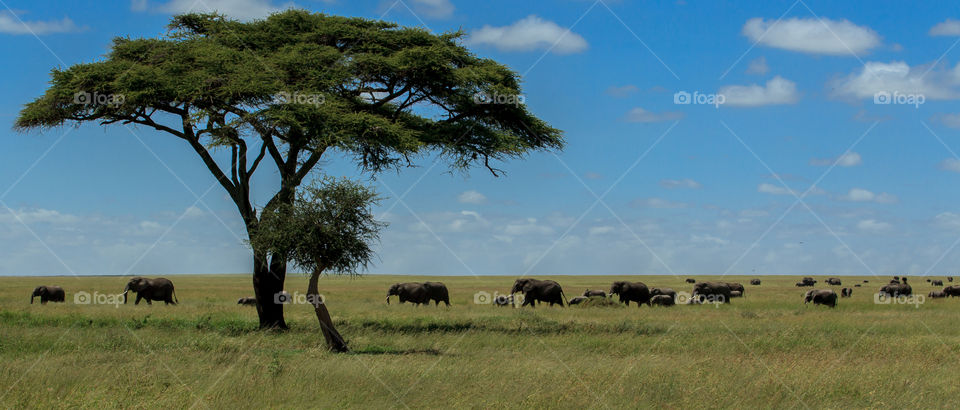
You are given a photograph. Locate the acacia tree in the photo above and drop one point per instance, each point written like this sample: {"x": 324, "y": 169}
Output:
{"x": 330, "y": 227}
{"x": 290, "y": 88}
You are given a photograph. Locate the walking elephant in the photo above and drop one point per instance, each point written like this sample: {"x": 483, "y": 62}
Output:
{"x": 159, "y": 289}
{"x": 717, "y": 292}
{"x": 535, "y": 291}
{"x": 420, "y": 293}
{"x": 755, "y": 282}
{"x": 631, "y": 292}
{"x": 48, "y": 294}
{"x": 821, "y": 297}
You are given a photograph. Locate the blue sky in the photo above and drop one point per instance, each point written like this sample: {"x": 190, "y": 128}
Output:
{"x": 833, "y": 150}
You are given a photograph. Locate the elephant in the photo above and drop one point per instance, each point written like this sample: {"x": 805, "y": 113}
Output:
{"x": 691, "y": 280}
{"x": 420, "y": 293}
{"x": 755, "y": 282}
{"x": 151, "y": 289}
{"x": 631, "y": 292}
{"x": 535, "y": 291}
{"x": 821, "y": 297}
{"x": 247, "y": 301}
{"x": 866, "y": 281}
{"x": 897, "y": 289}
{"x": 846, "y": 292}
{"x": 736, "y": 287}
{"x": 589, "y": 293}
{"x": 928, "y": 281}
{"x": 952, "y": 291}
{"x": 664, "y": 291}
{"x": 937, "y": 294}
{"x": 503, "y": 300}
{"x": 717, "y": 292}
{"x": 936, "y": 283}
{"x": 857, "y": 285}
{"x": 808, "y": 281}
{"x": 48, "y": 294}
{"x": 662, "y": 300}
{"x": 834, "y": 281}
{"x": 736, "y": 294}
{"x": 577, "y": 300}
{"x": 949, "y": 278}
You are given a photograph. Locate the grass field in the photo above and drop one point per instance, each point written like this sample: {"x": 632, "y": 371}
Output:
{"x": 766, "y": 350}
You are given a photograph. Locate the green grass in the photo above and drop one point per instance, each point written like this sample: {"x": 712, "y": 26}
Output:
{"x": 765, "y": 350}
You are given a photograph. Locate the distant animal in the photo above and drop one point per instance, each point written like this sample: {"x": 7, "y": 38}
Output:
{"x": 928, "y": 280}
{"x": 736, "y": 294}
{"x": 48, "y": 294}
{"x": 247, "y": 301}
{"x": 718, "y": 292}
{"x": 159, "y": 289}
{"x": 866, "y": 281}
{"x": 846, "y": 292}
{"x": 737, "y": 287}
{"x": 419, "y": 293}
{"x": 857, "y": 285}
{"x": 896, "y": 278}
{"x": 691, "y": 280}
{"x": 821, "y": 297}
{"x": 936, "y": 283}
{"x": 952, "y": 291}
{"x": 535, "y": 291}
{"x": 503, "y": 300}
{"x": 577, "y": 300}
{"x": 949, "y": 278}
{"x": 936, "y": 294}
{"x": 589, "y": 293}
{"x": 755, "y": 282}
{"x": 662, "y": 300}
{"x": 631, "y": 292}
{"x": 834, "y": 281}
{"x": 897, "y": 289}
{"x": 807, "y": 281}
{"x": 663, "y": 291}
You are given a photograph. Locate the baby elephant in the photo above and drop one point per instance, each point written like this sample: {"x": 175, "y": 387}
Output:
{"x": 662, "y": 300}
{"x": 247, "y": 301}
{"x": 48, "y": 294}
{"x": 821, "y": 297}
{"x": 589, "y": 293}
{"x": 577, "y": 300}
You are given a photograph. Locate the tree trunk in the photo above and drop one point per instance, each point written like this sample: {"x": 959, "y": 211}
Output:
{"x": 334, "y": 341}
{"x": 267, "y": 284}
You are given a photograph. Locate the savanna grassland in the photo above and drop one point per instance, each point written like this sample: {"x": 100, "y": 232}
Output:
{"x": 766, "y": 350}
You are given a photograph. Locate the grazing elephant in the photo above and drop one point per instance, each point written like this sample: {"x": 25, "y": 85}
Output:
{"x": 936, "y": 283}
{"x": 247, "y": 301}
{"x": 936, "y": 294}
{"x": 834, "y": 281}
{"x": 846, "y": 292}
{"x": 151, "y": 289}
{"x": 663, "y": 291}
{"x": 535, "y": 291}
{"x": 821, "y": 297}
{"x": 589, "y": 293}
{"x": 691, "y": 280}
{"x": 808, "y": 281}
{"x": 631, "y": 292}
{"x": 713, "y": 291}
{"x": 736, "y": 287}
{"x": 419, "y": 293}
{"x": 755, "y": 282}
{"x": 577, "y": 300}
{"x": 48, "y": 294}
{"x": 503, "y": 300}
{"x": 897, "y": 289}
{"x": 952, "y": 291}
{"x": 662, "y": 300}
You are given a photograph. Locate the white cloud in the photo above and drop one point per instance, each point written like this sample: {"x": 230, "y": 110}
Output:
{"x": 850, "y": 159}
{"x": 812, "y": 35}
{"x": 863, "y": 195}
{"x": 873, "y": 225}
{"x": 680, "y": 183}
{"x": 898, "y": 77}
{"x": 948, "y": 220}
{"x": 758, "y": 66}
{"x": 950, "y": 164}
{"x": 238, "y": 9}
{"x": 777, "y": 91}
{"x": 439, "y": 9}
{"x": 13, "y": 24}
{"x": 641, "y": 115}
{"x": 528, "y": 34}
{"x": 194, "y": 212}
{"x": 658, "y": 203}
{"x": 622, "y": 91}
{"x": 950, "y": 120}
{"x": 601, "y": 230}
{"x": 708, "y": 239}
{"x": 773, "y": 189}
{"x": 472, "y": 197}
{"x": 39, "y": 215}
{"x": 948, "y": 27}
{"x": 528, "y": 227}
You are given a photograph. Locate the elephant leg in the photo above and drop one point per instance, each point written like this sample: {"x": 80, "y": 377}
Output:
{"x": 137, "y": 302}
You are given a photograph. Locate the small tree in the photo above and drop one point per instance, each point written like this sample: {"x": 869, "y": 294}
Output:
{"x": 329, "y": 227}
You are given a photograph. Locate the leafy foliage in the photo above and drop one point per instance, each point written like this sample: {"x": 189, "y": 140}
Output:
{"x": 329, "y": 227}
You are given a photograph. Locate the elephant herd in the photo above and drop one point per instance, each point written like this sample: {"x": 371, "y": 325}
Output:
{"x": 159, "y": 289}
{"x": 897, "y": 287}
